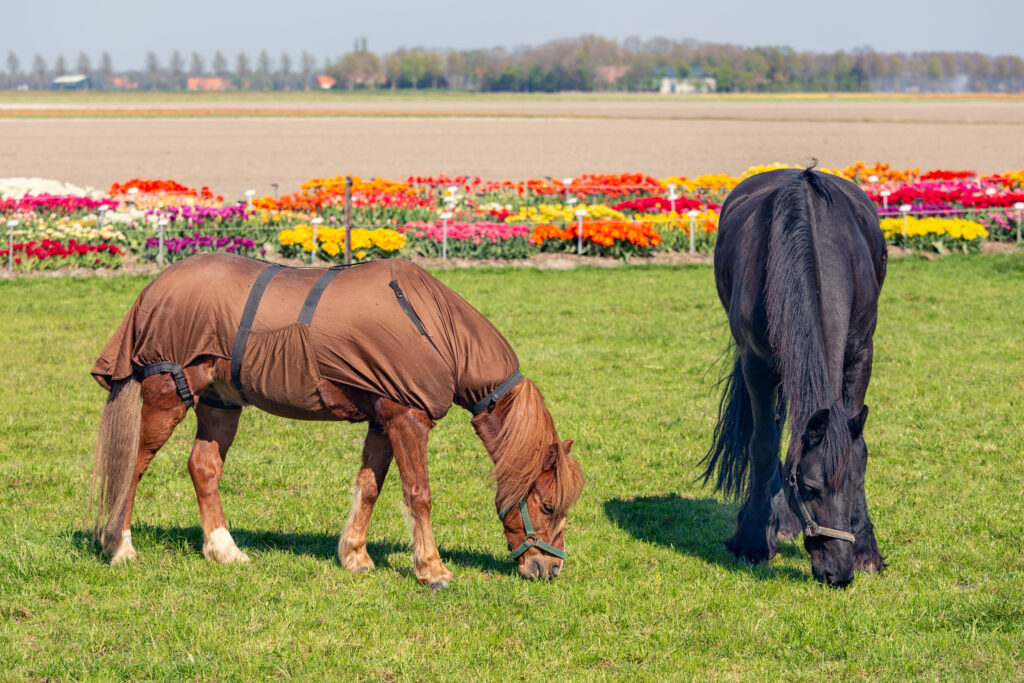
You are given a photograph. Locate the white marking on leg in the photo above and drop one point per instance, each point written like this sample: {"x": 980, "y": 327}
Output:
{"x": 356, "y": 491}
{"x": 356, "y": 497}
{"x": 351, "y": 559}
{"x": 410, "y": 523}
{"x": 220, "y": 547}
{"x": 125, "y": 551}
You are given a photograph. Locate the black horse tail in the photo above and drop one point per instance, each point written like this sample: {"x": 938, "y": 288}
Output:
{"x": 729, "y": 448}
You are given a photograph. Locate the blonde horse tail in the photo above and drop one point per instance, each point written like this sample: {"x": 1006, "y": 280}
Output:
{"x": 117, "y": 448}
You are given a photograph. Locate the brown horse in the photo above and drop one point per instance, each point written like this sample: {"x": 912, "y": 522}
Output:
{"x": 389, "y": 345}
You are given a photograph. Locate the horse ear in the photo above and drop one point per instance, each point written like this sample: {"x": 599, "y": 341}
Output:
{"x": 567, "y": 445}
{"x": 816, "y": 428}
{"x": 857, "y": 423}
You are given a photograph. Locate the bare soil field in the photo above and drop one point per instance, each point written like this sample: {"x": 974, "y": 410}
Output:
{"x": 235, "y": 143}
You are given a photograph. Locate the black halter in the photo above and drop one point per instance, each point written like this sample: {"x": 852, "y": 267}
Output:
{"x": 812, "y": 528}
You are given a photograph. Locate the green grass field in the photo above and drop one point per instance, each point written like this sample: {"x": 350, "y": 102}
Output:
{"x": 626, "y": 359}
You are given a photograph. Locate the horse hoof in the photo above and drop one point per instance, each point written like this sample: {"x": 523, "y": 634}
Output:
{"x": 439, "y": 585}
{"x": 875, "y": 567}
{"x": 359, "y": 565}
{"x": 221, "y": 548}
{"x": 125, "y": 551}
{"x": 753, "y": 560}
{"x": 122, "y": 556}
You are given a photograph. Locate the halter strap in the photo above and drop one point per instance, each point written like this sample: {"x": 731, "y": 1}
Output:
{"x": 812, "y": 528}
{"x": 531, "y": 536}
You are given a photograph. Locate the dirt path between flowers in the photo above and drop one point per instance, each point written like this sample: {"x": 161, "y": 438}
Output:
{"x": 497, "y": 138}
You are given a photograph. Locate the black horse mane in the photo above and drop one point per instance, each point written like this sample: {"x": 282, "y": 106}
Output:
{"x": 794, "y": 317}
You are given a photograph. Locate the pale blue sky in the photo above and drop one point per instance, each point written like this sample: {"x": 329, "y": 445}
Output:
{"x": 128, "y": 29}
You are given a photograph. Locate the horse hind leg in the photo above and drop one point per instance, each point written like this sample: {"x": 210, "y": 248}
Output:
{"x": 162, "y": 410}
{"x": 754, "y": 540}
{"x": 377, "y": 456}
{"x": 215, "y": 431}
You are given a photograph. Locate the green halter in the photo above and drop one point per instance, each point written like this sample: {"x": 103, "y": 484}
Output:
{"x": 531, "y": 536}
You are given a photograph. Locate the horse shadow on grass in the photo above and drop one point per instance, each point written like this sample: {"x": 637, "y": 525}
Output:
{"x": 323, "y": 546}
{"x": 695, "y": 527}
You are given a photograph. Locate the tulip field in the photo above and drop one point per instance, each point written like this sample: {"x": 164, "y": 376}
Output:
{"x": 625, "y": 216}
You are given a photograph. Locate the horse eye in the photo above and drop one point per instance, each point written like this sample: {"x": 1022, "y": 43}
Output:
{"x": 546, "y": 509}
{"x": 809, "y": 488}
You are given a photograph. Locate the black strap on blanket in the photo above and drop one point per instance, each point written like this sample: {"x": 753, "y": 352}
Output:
{"x": 179, "y": 378}
{"x": 245, "y": 326}
{"x": 490, "y": 399}
{"x": 313, "y": 298}
{"x": 409, "y": 311}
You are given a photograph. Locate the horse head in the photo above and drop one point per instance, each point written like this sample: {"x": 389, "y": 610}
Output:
{"x": 535, "y": 527}
{"x": 537, "y": 479}
{"x": 817, "y": 482}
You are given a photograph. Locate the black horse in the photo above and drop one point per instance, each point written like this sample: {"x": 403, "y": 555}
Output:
{"x": 799, "y": 266}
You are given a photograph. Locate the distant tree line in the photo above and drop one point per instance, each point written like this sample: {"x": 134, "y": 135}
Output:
{"x": 588, "y": 63}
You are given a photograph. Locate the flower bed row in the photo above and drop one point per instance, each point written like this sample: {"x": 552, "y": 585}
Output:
{"x": 620, "y": 215}
{"x": 52, "y": 254}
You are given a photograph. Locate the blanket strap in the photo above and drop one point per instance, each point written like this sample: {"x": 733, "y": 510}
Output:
{"x": 492, "y": 398}
{"x": 179, "y": 378}
{"x": 313, "y": 298}
{"x": 411, "y": 312}
{"x": 245, "y": 325}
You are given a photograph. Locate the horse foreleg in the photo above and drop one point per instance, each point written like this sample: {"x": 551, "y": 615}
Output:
{"x": 162, "y": 410}
{"x": 215, "y": 432}
{"x": 369, "y": 482}
{"x": 407, "y": 432}
{"x": 865, "y": 548}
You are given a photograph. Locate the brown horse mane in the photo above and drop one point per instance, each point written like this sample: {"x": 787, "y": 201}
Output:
{"x": 521, "y": 438}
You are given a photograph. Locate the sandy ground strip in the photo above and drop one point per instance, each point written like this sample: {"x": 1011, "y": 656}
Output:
{"x": 572, "y": 105}
{"x": 505, "y": 139}
{"x": 233, "y": 155}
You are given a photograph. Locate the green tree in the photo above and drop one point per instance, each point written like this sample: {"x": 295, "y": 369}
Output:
{"x": 13, "y": 64}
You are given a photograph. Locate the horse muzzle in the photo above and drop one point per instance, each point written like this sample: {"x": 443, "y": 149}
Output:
{"x": 536, "y": 565}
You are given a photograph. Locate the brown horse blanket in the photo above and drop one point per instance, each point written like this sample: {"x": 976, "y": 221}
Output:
{"x": 426, "y": 352}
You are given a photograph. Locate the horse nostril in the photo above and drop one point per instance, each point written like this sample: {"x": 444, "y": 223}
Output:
{"x": 556, "y": 570}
